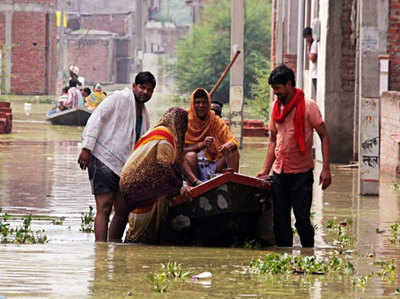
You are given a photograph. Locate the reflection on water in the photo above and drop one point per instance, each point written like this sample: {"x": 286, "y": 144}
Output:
{"x": 39, "y": 174}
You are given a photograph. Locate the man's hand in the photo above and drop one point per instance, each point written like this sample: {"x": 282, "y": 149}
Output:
{"x": 207, "y": 142}
{"x": 227, "y": 147}
{"x": 185, "y": 191}
{"x": 84, "y": 158}
{"x": 262, "y": 175}
{"x": 325, "y": 178}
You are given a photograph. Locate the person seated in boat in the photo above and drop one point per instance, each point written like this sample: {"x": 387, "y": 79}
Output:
{"x": 151, "y": 173}
{"x": 62, "y": 99}
{"x": 75, "y": 99}
{"x": 209, "y": 144}
{"x": 95, "y": 98}
{"x": 216, "y": 106}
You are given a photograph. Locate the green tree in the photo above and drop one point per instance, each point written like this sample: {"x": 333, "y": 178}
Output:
{"x": 203, "y": 55}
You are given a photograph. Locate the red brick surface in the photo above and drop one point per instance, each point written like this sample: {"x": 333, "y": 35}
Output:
{"x": 390, "y": 124}
{"x": 348, "y": 49}
{"x": 117, "y": 23}
{"x": 394, "y": 44}
{"x": 2, "y": 29}
{"x": 92, "y": 58}
{"x": 33, "y": 53}
{"x": 28, "y": 53}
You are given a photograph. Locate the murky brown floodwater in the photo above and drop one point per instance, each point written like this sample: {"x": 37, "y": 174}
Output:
{"x": 39, "y": 175}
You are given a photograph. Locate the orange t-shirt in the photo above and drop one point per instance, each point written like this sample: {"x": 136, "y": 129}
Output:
{"x": 288, "y": 157}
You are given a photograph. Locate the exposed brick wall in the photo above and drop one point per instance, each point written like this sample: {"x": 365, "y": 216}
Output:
{"x": 2, "y": 29}
{"x": 117, "y": 23}
{"x": 394, "y": 44}
{"x": 92, "y": 58}
{"x": 348, "y": 49}
{"x": 28, "y": 53}
{"x": 273, "y": 33}
{"x": 52, "y": 52}
{"x": 390, "y": 124}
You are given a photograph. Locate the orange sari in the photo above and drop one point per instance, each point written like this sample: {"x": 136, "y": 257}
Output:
{"x": 212, "y": 125}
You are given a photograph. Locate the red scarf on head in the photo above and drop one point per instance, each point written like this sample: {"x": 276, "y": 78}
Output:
{"x": 299, "y": 103}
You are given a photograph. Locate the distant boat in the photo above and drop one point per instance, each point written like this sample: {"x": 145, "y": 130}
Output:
{"x": 70, "y": 117}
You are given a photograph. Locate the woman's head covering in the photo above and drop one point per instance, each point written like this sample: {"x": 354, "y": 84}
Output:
{"x": 176, "y": 119}
{"x": 211, "y": 125}
{"x": 97, "y": 87}
{"x": 152, "y": 169}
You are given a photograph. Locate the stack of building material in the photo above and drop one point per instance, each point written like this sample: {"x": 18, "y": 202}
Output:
{"x": 5, "y": 118}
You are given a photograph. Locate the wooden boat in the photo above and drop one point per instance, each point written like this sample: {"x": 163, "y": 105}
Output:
{"x": 228, "y": 210}
{"x": 71, "y": 117}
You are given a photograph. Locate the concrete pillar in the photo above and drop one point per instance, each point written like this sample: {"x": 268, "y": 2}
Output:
{"x": 300, "y": 45}
{"x": 236, "y": 73}
{"x": 110, "y": 60}
{"x": 8, "y": 52}
{"x": 335, "y": 104}
{"x": 373, "y": 42}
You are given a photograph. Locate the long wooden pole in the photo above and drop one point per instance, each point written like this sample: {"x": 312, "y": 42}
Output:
{"x": 223, "y": 75}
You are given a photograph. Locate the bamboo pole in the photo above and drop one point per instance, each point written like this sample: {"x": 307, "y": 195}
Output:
{"x": 223, "y": 75}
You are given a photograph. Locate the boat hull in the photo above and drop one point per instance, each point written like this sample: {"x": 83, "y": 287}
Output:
{"x": 70, "y": 117}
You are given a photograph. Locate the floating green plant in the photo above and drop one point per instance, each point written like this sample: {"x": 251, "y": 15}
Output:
{"x": 387, "y": 270}
{"x": 171, "y": 271}
{"x": 87, "y": 221}
{"x": 58, "y": 220}
{"x": 20, "y": 235}
{"x": 274, "y": 263}
{"x": 395, "y": 233}
{"x": 396, "y": 186}
{"x": 341, "y": 233}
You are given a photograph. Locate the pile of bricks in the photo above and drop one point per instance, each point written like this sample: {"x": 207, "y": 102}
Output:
{"x": 253, "y": 128}
{"x": 5, "y": 118}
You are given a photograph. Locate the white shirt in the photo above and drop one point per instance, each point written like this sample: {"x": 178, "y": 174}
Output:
{"x": 110, "y": 133}
{"x": 313, "y": 65}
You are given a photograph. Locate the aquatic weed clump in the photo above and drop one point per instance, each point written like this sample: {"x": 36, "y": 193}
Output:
{"x": 395, "y": 233}
{"x": 171, "y": 271}
{"x": 340, "y": 230}
{"x": 20, "y": 235}
{"x": 87, "y": 221}
{"x": 274, "y": 263}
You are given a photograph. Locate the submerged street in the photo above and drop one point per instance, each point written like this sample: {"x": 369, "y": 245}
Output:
{"x": 40, "y": 176}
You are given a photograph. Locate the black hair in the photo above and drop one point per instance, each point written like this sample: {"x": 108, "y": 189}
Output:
{"x": 200, "y": 93}
{"x": 73, "y": 83}
{"x": 87, "y": 90}
{"x": 307, "y": 31}
{"x": 281, "y": 75}
{"x": 217, "y": 102}
{"x": 65, "y": 89}
{"x": 145, "y": 77}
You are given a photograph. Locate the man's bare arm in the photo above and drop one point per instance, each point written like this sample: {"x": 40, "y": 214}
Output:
{"x": 270, "y": 157}
{"x": 325, "y": 177}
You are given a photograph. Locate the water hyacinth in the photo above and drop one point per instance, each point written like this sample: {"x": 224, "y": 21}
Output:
{"x": 274, "y": 263}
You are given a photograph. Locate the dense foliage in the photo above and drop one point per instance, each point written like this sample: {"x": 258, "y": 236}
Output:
{"x": 203, "y": 55}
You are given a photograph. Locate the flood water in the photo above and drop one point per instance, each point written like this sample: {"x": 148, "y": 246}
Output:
{"x": 39, "y": 175}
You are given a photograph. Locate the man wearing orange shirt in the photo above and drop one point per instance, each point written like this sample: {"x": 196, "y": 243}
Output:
{"x": 289, "y": 154}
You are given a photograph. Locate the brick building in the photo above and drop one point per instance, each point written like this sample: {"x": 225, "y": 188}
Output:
{"x": 28, "y": 43}
{"x": 108, "y": 40}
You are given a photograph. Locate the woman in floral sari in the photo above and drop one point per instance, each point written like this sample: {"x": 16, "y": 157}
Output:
{"x": 151, "y": 173}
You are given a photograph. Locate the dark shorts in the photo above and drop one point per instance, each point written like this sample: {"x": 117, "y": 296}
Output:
{"x": 102, "y": 179}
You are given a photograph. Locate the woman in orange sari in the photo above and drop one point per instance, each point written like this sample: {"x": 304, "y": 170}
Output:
{"x": 209, "y": 144}
{"x": 149, "y": 176}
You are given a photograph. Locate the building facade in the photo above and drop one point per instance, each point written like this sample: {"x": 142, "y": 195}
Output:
{"x": 28, "y": 44}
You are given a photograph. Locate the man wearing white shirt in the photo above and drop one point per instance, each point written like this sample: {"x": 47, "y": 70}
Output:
{"x": 108, "y": 139}
{"x": 312, "y": 54}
